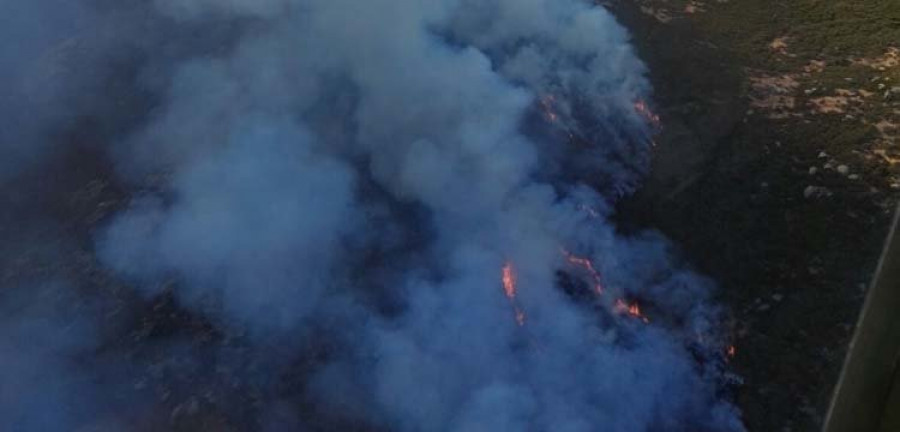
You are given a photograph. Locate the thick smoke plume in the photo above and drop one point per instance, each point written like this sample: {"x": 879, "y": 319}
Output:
{"x": 384, "y": 215}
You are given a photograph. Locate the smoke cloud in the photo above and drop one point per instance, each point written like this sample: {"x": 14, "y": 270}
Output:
{"x": 36, "y": 79}
{"x": 362, "y": 216}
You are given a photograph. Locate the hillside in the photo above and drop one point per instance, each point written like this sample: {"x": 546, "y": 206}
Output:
{"x": 777, "y": 174}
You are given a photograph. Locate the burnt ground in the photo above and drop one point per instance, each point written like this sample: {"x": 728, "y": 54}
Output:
{"x": 774, "y": 174}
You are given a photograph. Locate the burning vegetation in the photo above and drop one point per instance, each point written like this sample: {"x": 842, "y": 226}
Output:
{"x": 644, "y": 111}
{"x": 509, "y": 289}
{"x": 301, "y": 213}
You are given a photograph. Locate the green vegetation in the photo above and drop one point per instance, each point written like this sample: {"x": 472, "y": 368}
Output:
{"x": 851, "y": 38}
{"x": 792, "y": 202}
{"x": 818, "y": 28}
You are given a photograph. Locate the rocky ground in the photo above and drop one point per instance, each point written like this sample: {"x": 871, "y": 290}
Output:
{"x": 777, "y": 173}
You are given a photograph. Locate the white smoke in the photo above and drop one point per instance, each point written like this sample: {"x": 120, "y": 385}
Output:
{"x": 360, "y": 172}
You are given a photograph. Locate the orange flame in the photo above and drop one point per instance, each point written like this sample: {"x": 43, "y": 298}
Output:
{"x": 509, "y": 281}
{"x": 588, "y": 266}
{"x": 633, "y": 310}
{"x": 509, "y": 289}
{"x": 621, "y": 306}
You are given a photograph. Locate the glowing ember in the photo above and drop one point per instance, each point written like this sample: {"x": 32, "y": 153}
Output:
{"x": 641, "y": 107}
{"x": 509, "y": 289}
{"x": 588, "y": 266}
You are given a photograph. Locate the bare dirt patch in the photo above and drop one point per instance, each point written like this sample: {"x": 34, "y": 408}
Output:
{"x": 774, "y": 94}
{"x": 694, "y": 7}
{"x": 660, "y": 14}
{"x": 842, "y": 102}
{"x": 779, "y": 45}
{"x": 890, "y": 59}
